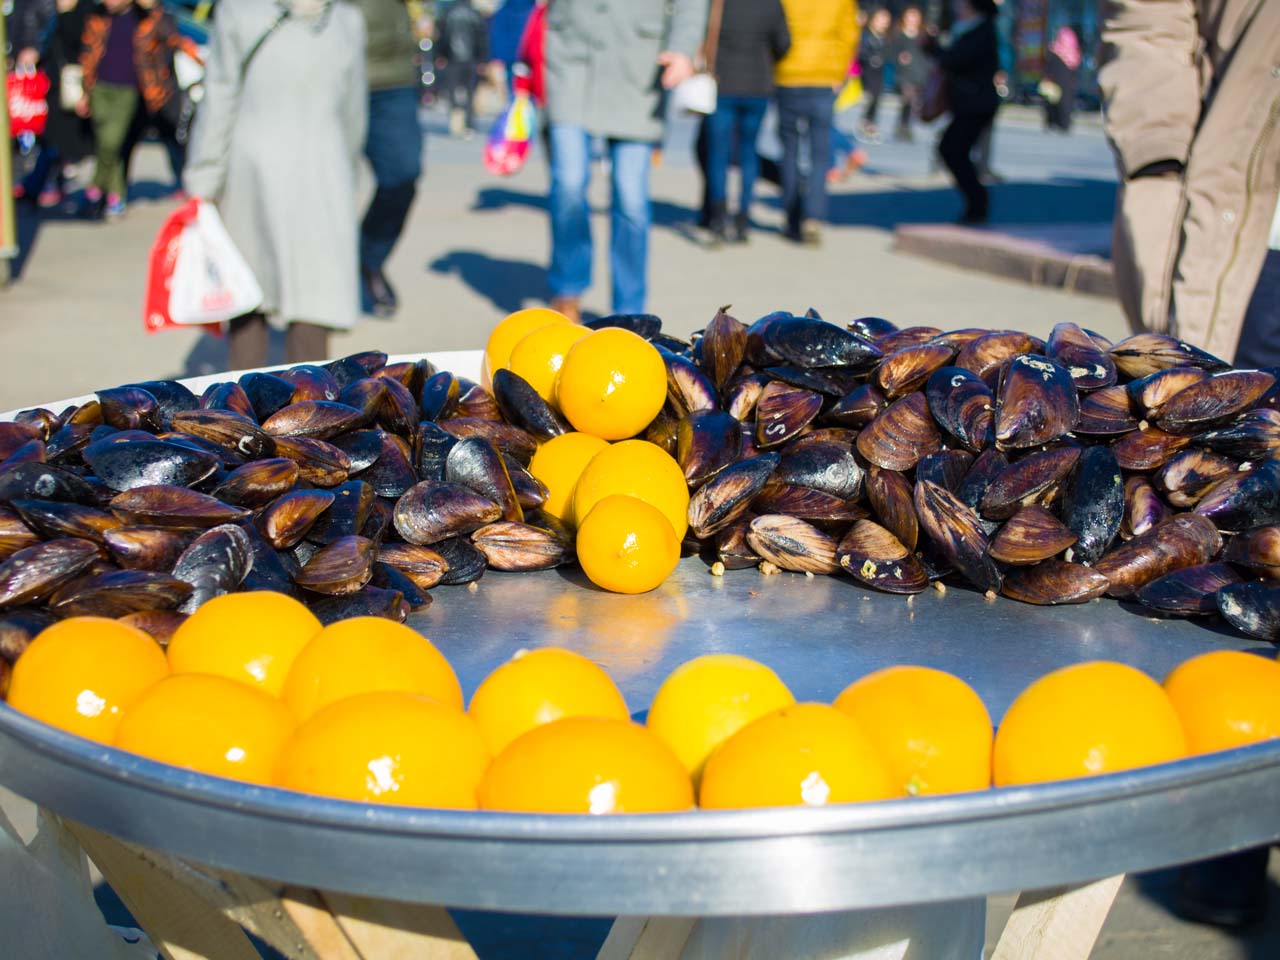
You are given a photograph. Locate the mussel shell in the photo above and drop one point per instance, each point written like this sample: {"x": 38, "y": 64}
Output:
{"x": 1093, "y": 503}
{"x": 792, "y": 544}
{"x": 214, "y": 564}
{"x": 387, "y": 577}
{"x": 732, "y": 548}
{"x": 33, "y": 451}
{"x": 872, "y": 555}
{"x": 989, "y": 465}
{"x": 1213, "y": 401}
{"x": 18, "y": 627}
{"x": 664, "y": 430}
{"x": 829, "y": 467}
{"x": 15, "y": 534}
{"x": 724, "y": 343}
{"x": 317, "y": 419}
{"x": 1029, "y": 536}
{"x": 474, "y": 403}
{"x": 1188, "y": 592}
{"x": 369, "y": 601}
{"x": 130, "y": 408}
{"x": 286, "y": 520}
{"x": 465, "y": 563}
{"x": 511, "y": 440}
{"x": 56, "y": 518}
{"x": 346, "y": 515}
{"x": 164, "y": 505}
{"x": 1052, "y": 582}
{"x": 1150, "y": 393}
{"x": 985, "y": 355}
{"x": 32, "y": 574}
{"x": 1147, "y": 448}
{"x": 341, "y": 567}
{"x": 1189, "y": 475}
{"x": 267, "y": 393}
{"x": 1143, "y": 508}
{"x": 362, "y": 447}
{"x": 1145, "y": 353}
{"x": 910, "y": 368}
{"x": 873, "y": 328}
{"x": 892, "y": 498}
{"x": 828, "y": 381}
{"x": 378, "y": 524}
{"x": 1255, "y": 436}
{"x": 1106, "y": 412}
{"x": 270, "y": 569}
{"x": 1037, "y": 403}
{"x": 398, "y": 412}
{"x": 146, "y": 547}
{"x": 1244, "y": 500}
{"x": 963, "y": 405}
{"x": 1258, "y": 549}
{"x": 1033, "y": 479}
{"x": 43, "y": 481}
{"x": 946, "y": 468}
{"x": 14, "y": 436}
{"x": 1090, "y": 366}
{"x": 228, "y": 395}
{"x": 1252, "y": 608}
{"x": 521, "y": 546}
{"x": 688, "y": 388}
{"x": 476, "y": 464}
{"x": 257, "y": 483}
{"x": 809, "y": 342}
{"x": 858, "y": 407}
{"x": 782, "y": 412}
{"x": 909, "y": 337}
{"x": 1186, "y": 540}
{"x": 425, "y": 566}
{"x": 431, "y": 512}
{"x": 524, "y": 406}
{"x": 364, "y": 395}
{"x": 728, "y": 495}
{"x": 806, "y": 503}
{"x": 160, "y": 625}
{"x": 310, "y": 382}
{"x": 641, "y": 324}
{"x": 391, "y": 474}
{"x": 118, "y": 593}
{"x": 707, "y": 441}
{"x": 957, "y": 533}
{"x": 232, "y": 431}
{"x": 440, "y": 395}
{"x": 319, "y": 462}
{"x": 901, "y": 435}
{"x": 411, "y": 374}
{"x": 139, "y": 463}
{"x": 742, "y": 394}
{"x": 433, "y": 448}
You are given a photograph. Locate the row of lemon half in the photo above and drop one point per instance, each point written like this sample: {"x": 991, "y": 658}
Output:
{"x": 252, "y": 687}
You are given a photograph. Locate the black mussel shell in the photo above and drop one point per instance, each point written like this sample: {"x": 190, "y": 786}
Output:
{"x": 15, "y": 534}
{"x": 1143, "y": 508}
{"x": 232, "y": 431}
{"x": 1213, "y": 401}
{"x": 828, "y": 381}
{"x": 398, "y": 412}
{"x": 892, "y": 498}
{"x": 523, "y": 406}
{"x": 707, "y": 441}
{"x": 118, "y": 593}
{"x": 1186, "y": 540}
{"x": 724, "y": 343}
{"x": 1147, "y": 448}
{"x": 433, "y": 451}
{"x": 792, "y": 544}
{"x": 33, "y": 451}
{"x": 391, "y": 475}
{"x": 465, "y": 564}
{"x": 728, "y": 495}
{"x": 910, "y": 337}
{"x": 521, "y": 546}
{"x": 369, "y": 601}
{"x": 267, "y": 393}
{"x": 425, "y": 566}
{"x": 1145, "y": 353}
{"x": 1189, "y": 475}
{"x": 664, "y": 431}
{"x": 858, "y": 407}
{"x": 362, "y": 447}
{"x": 989, "y": 353}
{"x": 387, "y": 577}
{"x": 1258, "y": 549}
{"x": 1053, "y": 582}
{"x": 346, "y": 371}
{"x": 1093, "y": 503}
{"x": 1106, "y": 412}
{"x": 160, "y": 625}
{"x": 732, "y": 548}
{"x": 476, "y": 464}
{"x": 18, "y": 627}
{"x": 130, "y": 408}
{"x": 1254, "y": 436}
{"x": 32, "y": 574}
{"x": 989, "y": 465}
{"x": 957, "y": 533}
{"x": 346, "y": 515}
{"x": 257, "y": 483}
{"x": 742, "y": 394}
{"x": 808, "y": 342}
{"x": 782, "y": 412}
{"x": 139, "y": 463}
{"x": 530, "y": 491}
{"x": 1029, "y": 536}
{"x": 474, "y": 403}
{"x": 214, "y": 564}
{"x": 1245, "y": 499}
{"x": 172, "y": 396}
{"x": 66, "y": 442}
{"x": 164, "y": 505}
{"x": 43, "y": 481}
{"x": 901, "y": 435}
{"x": 641, "y": 324}
{"x": 1188, "y": 592}
{"x": 873, "y": 328}
{"x": 1037, "y": 403}
{"x": 316, "y": 419}
{"x": 1252, "y": 608}
{"x": 286, "y": 521}
{"x": 431, "y": 512}
{"x": 310, "y": 382}
{"x": 410, "y": 374}
{"x": 378, "y": 524}
{"x": 1090, "y": 366}
{"x": 270, "y": 569}
{"x": 963, "y": 405}
{"x": 341, "y": 567}
{"x": 1033, "y": 479}
{"x": 440, "y": 395}
{"x": 872, "y": 555}
{"x": 148, "y": 548}
{"x": 806, "y": 503}
{"x": 319, "y": 462}
{"x": 1150, "y": 393}
{"x": 829, "y": 467}
{"x": 511, "y": 440}
{"x": 688, "y": 388}
{"x": 57, "y": 518}
{"x": 910, "y": 368}
{"x": 14, "y": 436}
{"x": 364, "y": 395}
{"x": 946, "y": 468}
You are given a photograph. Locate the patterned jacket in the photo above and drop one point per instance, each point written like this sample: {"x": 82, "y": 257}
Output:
{"x": 153, "y": 47}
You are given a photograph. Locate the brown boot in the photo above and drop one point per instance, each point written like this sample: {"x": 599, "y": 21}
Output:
{"x": 571, "y": 307}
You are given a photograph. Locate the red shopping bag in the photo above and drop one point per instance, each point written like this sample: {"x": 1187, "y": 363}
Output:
{"x": 28, "y": 106}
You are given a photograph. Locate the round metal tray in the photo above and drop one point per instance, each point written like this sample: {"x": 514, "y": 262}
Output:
{"x": 819, "y": 634}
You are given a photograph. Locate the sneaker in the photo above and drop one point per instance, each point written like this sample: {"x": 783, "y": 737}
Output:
{"x": 115, "y": 206}
{"x": 741, "y": 228}
{"x": 379, "y": 296}
{"x": 810, "y": 233}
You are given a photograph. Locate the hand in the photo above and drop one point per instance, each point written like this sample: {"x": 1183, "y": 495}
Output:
{"x": 676, "y": 68}
{"x": 82, "y": 107}
{"x": 26, "y": 60}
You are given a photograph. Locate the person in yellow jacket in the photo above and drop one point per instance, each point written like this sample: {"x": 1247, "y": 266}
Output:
{"x": 824, "y": 37}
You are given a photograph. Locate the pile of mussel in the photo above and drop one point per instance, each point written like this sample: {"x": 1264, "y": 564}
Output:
{"x": 1049, "y": 472}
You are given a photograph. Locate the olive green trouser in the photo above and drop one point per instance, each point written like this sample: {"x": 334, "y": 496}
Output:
{"x": 113, "y": 107}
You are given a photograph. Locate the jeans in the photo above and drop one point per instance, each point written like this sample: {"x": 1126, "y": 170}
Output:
{"x": 1260, "y": 337}
{"x": 807, "y": 109}
{"x": 394, "y": 148}
{"x": 113, "y": 107}
{"x": 736, "y": 122}
{"x": 570, "y": 272}
{"x": 462, "y": 79}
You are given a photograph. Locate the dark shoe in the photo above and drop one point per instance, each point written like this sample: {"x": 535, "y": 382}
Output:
{"x": 741, "y": 228}
{"x": 95, "y": 208}
{"x": 1228, "y": 891}
{"x": 810, "y": 233}
{"x": 973, "y": 216}
{"x": 377, "y": 293}
{"x": 719, "y": 225}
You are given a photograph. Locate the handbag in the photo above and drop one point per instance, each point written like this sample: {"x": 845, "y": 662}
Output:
{"x": 935, "y": 100}
{"x": 70, "y": 86}
{"x": 699, "y": 93}
{"x": 509, "y": 139}
{"x": 28, "y": 109}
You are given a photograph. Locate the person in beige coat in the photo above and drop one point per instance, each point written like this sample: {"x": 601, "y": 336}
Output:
{"x": 1191, "y": 93}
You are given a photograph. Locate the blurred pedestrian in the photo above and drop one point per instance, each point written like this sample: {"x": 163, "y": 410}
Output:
{"x": 873, "y": 56}
{"x": 969, "y": 62}
{"x": 910, "y": 68}
{"x": 1199, "y": 161}
{"x": 506, "y": 28}
{"x": 752, "y": 38}
{"x": 1061, "y": 75}
{"x": 463, "y": 41}
{"x": 607, "y": 64}
{"x": 393, "y": 145}
{"x": 823, "y": 42}
{"x": 47, "y": 35}
{"x": 276, "y": 147}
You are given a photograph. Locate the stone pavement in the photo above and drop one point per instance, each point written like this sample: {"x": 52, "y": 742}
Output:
{"x": 475, "y": 249}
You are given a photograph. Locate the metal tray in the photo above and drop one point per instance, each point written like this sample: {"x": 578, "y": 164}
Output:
{"x": 819, "y": 634}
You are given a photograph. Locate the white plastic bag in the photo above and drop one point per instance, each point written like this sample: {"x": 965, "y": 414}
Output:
{"x": 211, "y": 281}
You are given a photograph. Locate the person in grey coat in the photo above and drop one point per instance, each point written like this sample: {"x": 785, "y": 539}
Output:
{"x": 608, "y": 63}
{"x": 276, "y": 145}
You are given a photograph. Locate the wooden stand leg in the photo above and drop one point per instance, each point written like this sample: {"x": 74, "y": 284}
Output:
{"x": 1058, "y": 924}
{"x": 389, "y": 930}
{"x": 646, "y": 938}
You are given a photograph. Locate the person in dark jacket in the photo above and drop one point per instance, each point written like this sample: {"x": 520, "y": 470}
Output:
{"x": 463, "y": 41}
{"x": 873, "y": 54}
{"x": 970, "y": 62}
{"x": 910, "y": 69}
{"x": 506, "y": 29}
{"x": 753, "y": 38}
{"x": 1061, "y": 75}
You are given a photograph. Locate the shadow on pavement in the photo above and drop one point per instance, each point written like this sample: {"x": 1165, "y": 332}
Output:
{"x": 507, "y": 284}
{"x": 1261, "y": 942}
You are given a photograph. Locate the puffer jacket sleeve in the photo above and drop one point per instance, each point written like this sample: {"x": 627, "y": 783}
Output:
{"x": 206, "y": 169}
{"x": 687, "y": 26}
{"x": 1150, "y": 80}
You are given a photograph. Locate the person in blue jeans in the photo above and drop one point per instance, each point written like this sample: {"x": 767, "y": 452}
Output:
{"x": 752, "y": 38}
{"x": 393, "y": 144}
{"x": 607, "y": 65}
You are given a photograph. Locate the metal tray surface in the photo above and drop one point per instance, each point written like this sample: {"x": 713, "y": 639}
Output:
{"x": 819, "y": 634}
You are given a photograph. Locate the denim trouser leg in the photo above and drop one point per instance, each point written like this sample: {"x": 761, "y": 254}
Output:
{"x": 629, "y": 224}
{"x": 822, "y": 102}
{"x": 750, "y": 118}
{"x": 790, "y": 118}
{"x": 570, "y": 272}
{"x": 719, "y": 145}
{"x": 394, "y": 148}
